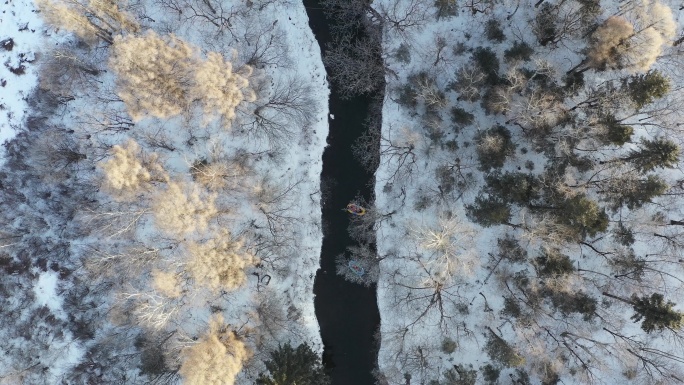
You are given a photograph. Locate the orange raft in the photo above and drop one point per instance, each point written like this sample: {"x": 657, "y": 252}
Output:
{"x": 355, "y": 209}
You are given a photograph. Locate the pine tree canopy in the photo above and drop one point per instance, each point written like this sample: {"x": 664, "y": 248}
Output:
{"x": 652, "y": 154}
{"x": 656, "y": 313}
{"x": 289, "y": 366}
{"x": 644, "y": 89}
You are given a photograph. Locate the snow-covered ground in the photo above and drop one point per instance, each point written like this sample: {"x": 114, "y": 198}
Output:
{"x": 20, "y": 40}
{"x": 443, "y": 277}
{"x": 274, "y": 206}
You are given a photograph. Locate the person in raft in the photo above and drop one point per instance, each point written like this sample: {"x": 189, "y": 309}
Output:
{"x": 355, "y": 209}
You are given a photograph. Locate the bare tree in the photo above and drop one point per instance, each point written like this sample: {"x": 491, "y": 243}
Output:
{"x": 89, "y": 20}
{"x": 282, "y": 108}
{"x": 219, "y": 17}
{"x": 264, "y": 46}
{"x": 356, "y": 66}
{"x": 469, "y": 82}
{"x": 402, "y": 16}
{"x": 66, "y": 71}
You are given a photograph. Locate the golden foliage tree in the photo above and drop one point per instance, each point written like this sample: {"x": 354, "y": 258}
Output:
{"x": 216, "y": 359}
{"x": 128, "y": 170}
{"x": 154, "y": 74}
{"x": 163, "y": 76}
{"x": 90, "y": 19}
{"x": 632, "y": 42}
{"x": 183, "y": 208}
{"x": 166, "y": 283}
{"x": 608, "y": 40}
{"x": 219, "y": 263}
{"x": 219, "y": 89}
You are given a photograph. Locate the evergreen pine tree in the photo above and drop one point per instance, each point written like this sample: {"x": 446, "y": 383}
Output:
{"x": 614, "y": 132}
{"x": 289, "y": 366}
{"x": 633, "y": 192}
{"x": 552, "y": 263}
{"x": 513, "y": 187}
{"x": 655, "y": 313}
{"x": 489, "y": 211}
{"x": 583, "y": 214}
{"x": 500, "y": 351}
{"x": 652, "y": 154}
{"x": 644, "y": 89}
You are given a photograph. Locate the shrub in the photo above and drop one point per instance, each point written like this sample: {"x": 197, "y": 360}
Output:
{"x": 488, "y": 211}
{"x": 623, "y": 234}
{"x": 403, "y": 54}
{"x": 407, "y": 96}
{"x": 574, "y": 81}
{"x": 445, "y": 176}
{"x": 552, "y": 263}
{"x": 449, "y": 346}
{"x": 446, "y": 8}
{"x": 520, "y": 51}
{"x": 579, "y": 302}
{"x": 488, "y": 62}
{"x": 500, "y": 351}
{"x": 460, "y": 375}
{"x": 514, "y": 187}
{"x": 545, "y": 25}
{"x": 493, "y": 147}
{"x": 494, "y": 31}
{"x": 490, "y": 374}
{"x": 461, "y": 117}
{"x": 151, "y": 357}
{"x": 510, "y": 249}
{"x": 511, "y": 307}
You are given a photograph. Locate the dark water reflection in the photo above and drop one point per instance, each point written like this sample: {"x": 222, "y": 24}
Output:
{"x": 347, "y": 313}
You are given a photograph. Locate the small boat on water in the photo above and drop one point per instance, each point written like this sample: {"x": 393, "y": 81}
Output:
{"x": 355, "y": 209}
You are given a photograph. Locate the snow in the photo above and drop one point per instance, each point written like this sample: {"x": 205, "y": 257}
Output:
{"x": 290, "y": 164}
{"x": 46, "y": 291}
{"x": 412, "y": 332}
{"x": 19, "y": 22}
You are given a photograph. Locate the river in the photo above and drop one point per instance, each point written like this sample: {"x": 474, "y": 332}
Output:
{"x": 347, "y": 313}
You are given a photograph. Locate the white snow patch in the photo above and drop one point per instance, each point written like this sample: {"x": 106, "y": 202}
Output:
{"x": 19, "y": 22}
{"x": 46, "y": 291}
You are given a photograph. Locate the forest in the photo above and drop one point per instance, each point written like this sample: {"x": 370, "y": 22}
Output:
{"x": 528, "y": 193}
{"x": 161, "y": 203}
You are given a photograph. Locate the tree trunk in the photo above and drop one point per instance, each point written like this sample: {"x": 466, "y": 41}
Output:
{"x": 573, "y": 69}
{"x": 625, "y": 300}
{"x": 541, "y": 207}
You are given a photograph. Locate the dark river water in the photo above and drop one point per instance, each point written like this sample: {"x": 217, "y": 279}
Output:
{"x": 347, "y": 313}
